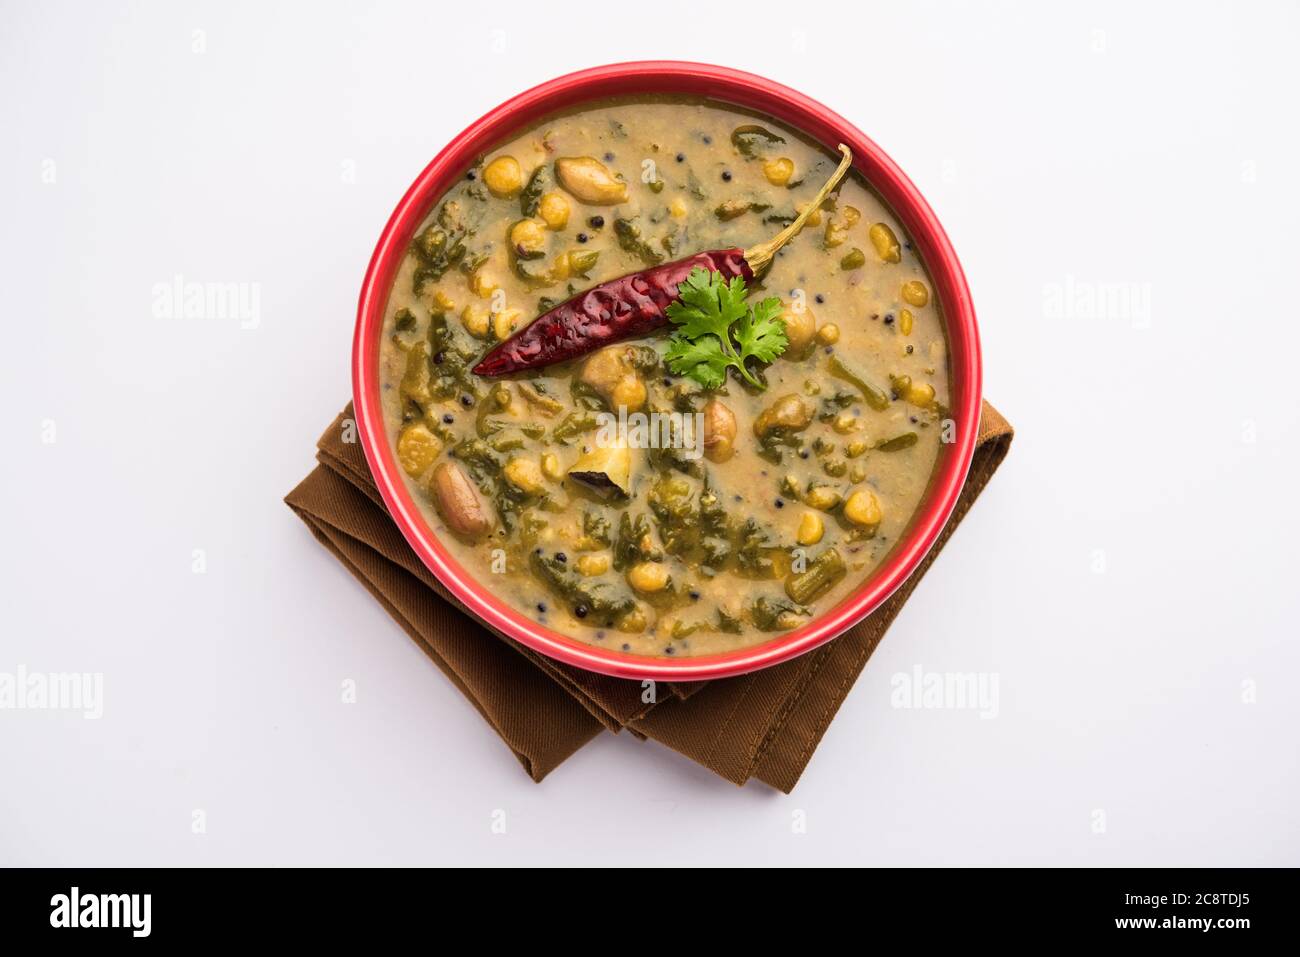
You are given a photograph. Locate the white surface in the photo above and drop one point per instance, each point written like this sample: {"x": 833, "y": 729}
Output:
{"x": 1108, "y": 145}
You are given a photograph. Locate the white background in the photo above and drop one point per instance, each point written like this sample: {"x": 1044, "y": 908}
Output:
{"x": 1129, "y": 575}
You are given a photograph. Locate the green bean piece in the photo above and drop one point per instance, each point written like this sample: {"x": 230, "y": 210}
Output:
{"x": 414, "y": 386}
{"x": 897, "y": 443}
{"x": 874, "y": 397}
{"x": 732, "y": 208}
{"x": 536, "y": 394}
{"x": 574, "y": 424}
{"x": 821, "y": 575}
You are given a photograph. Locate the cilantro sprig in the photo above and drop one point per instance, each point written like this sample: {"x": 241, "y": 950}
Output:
{"x": 717, "y": 330}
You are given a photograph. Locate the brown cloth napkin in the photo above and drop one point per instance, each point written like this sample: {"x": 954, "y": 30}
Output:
{"x": 764, "y": 725}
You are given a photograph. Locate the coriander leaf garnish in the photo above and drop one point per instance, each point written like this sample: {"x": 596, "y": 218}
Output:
{"x": 702, "y": 360}
{"x": 716, "y": 329}
{"x": 707, "y": 303}
{"x": 761, "y": 333}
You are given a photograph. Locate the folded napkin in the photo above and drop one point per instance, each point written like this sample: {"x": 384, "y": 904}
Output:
{"x": 764, "y": 725}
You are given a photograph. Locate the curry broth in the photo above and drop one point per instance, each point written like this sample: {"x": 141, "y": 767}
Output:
{"x": 702, "y": 555}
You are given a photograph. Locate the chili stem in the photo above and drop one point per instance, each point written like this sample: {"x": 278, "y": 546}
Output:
{"x": 760, "y": 257}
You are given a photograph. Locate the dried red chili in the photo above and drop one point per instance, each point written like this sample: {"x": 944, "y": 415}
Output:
{"x": 635, "y": 304}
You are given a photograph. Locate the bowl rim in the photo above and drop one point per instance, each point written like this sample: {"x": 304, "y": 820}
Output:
{"x": 736, "y": 88}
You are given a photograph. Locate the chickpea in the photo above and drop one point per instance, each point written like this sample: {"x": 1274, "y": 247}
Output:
{"x": 915, "y": 293}
{"x": 505, "y": 321}
{"x": 592, "y": 565}
{"x": 573, "y": 263}
{"x": 787, "y": 412}
{"x": 444, "y": 301}
{"x": 811, "y": 529}
{"x": 719, "y": 431}
{"x": 778, "y": 171}
{"x": 632, "y": 622}
{"x": 589, "y": 180}
{"x": 610, "y": 374}
{"x": 604, "y": 368}
{"x": 524, "y": 474}
{"x": 528, "y": 238}
{"x": 483, "y": 283}
{"x": 458, "y": 501}
{"x": 417, "y": 447}
{"x": 476, "y": 319}
{"x": 554, "y": 210}
{"x": 504, "y": 177}
{"x": 920, "y": 394}
{"x": 855, "y": 448}
{"x": 885, "y": 242}
{"x": 828, "y": 334}
{"x": 838, "y": 226}
{"x": 648, "y": 577}
{"x": 845, "y": 423}
{"x": 799, "y": 328}
{"x": 863, "y": 509}
{"x": 630, "y": 392}
{"x": 858, "y": 472}
{"x": 551, "y": 467}
{"x": 822, "y": 497}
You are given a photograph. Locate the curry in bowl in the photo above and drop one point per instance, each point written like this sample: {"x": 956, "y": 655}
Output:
{"x": 663, "y": 377}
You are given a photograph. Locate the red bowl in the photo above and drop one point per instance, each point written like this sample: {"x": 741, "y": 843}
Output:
{"x": 800, "y": 112}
